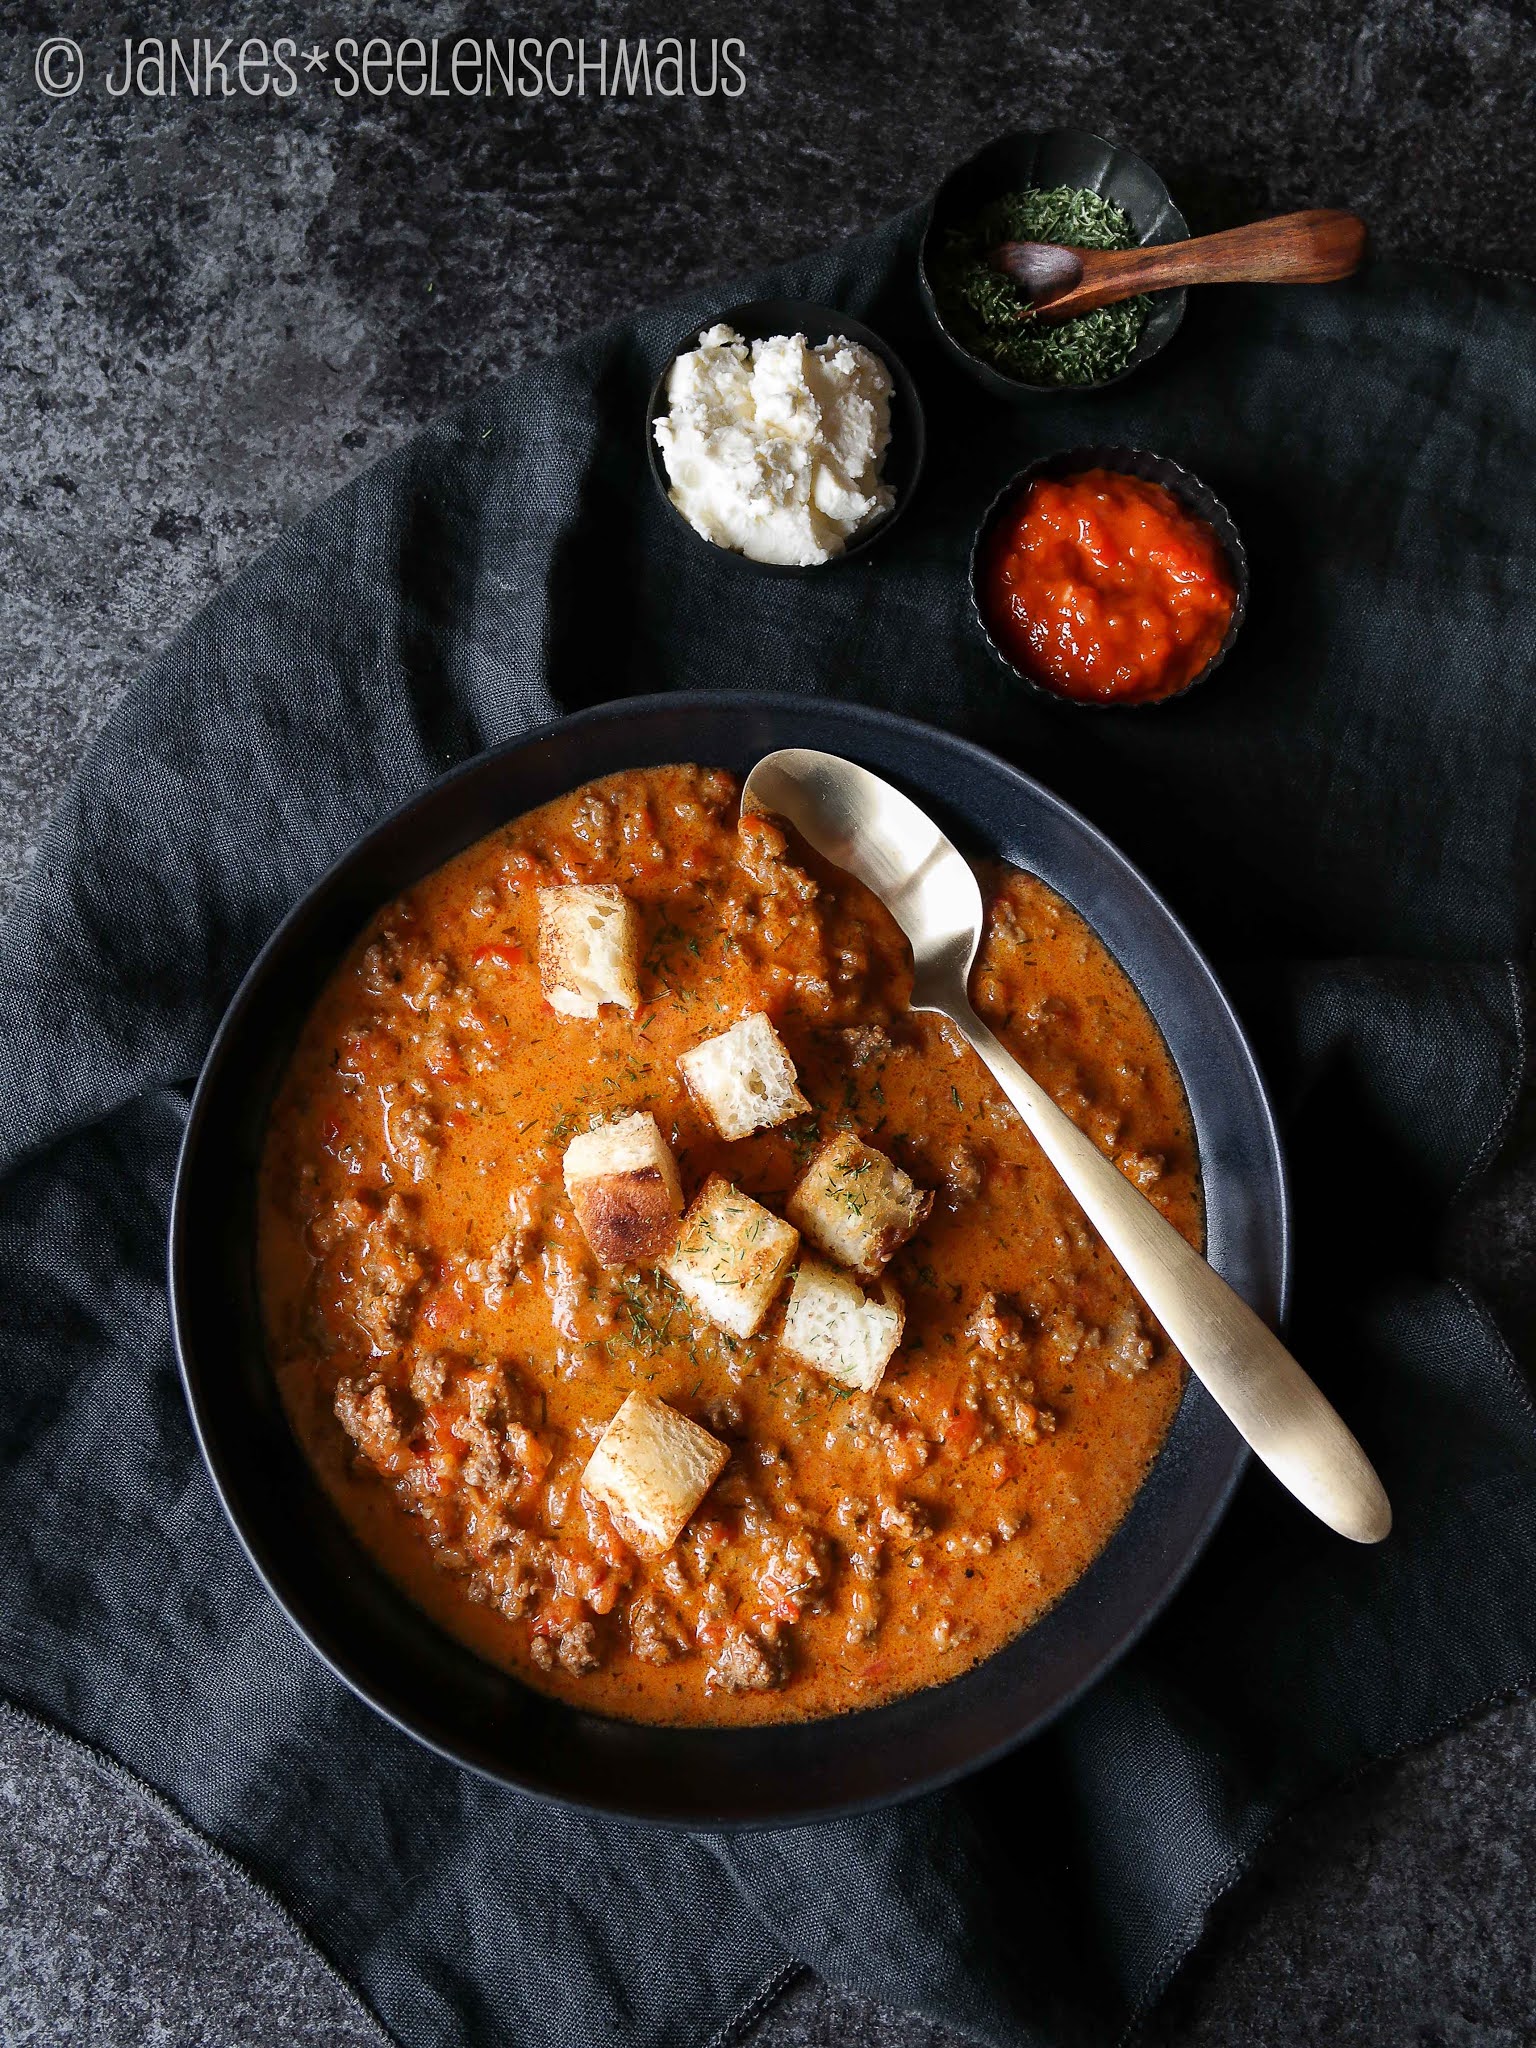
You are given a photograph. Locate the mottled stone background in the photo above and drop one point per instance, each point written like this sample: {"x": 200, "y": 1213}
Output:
{"x": 214, "y": 313}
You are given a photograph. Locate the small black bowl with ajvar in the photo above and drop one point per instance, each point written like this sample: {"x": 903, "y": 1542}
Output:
{"x": 1109, "y": 578}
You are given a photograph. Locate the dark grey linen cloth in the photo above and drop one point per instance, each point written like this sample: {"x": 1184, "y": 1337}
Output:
{"x": 1344, "y": 817}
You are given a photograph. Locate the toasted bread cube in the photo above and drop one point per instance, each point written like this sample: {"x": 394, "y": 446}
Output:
{"x": 650, "y": 1470}
{"x": 623, "y": 1185}
{"x": 744, "y": 1080}
{"x": 856, "y": 1205}
{"x": 731, "y": 1256}
{"x": 589, "y": 947}
{"x": 832, "y": 1326}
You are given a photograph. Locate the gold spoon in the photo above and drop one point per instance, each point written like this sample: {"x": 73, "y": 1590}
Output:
{"x": 862, "y": 824}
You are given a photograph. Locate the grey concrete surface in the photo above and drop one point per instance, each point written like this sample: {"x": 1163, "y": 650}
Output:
{"x": 117, "y": 1925}
{"x": 216, "y": 311}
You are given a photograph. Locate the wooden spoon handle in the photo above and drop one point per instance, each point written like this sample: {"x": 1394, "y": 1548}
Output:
{"x": 1294, "y": 248}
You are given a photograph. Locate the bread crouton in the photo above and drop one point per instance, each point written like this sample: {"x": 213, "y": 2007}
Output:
{"x": 731, "y": 1256}
{"x": 650, "y": 1470}
{"x": 856, "y": 1205}
{"x": 623, "y": 1185}
{"x": 744, "y": 1080}
{"x": 589, "y": 947}
{"x": 833, "y": 1327}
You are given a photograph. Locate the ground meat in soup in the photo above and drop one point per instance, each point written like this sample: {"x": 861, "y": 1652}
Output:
{"x": 450, "y": 1350}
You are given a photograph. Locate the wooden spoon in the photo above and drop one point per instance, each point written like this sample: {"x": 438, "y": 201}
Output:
{"x": 1294, "y": 248}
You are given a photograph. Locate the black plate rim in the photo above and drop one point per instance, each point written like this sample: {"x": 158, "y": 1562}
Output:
{"x": 297, "y": 1607}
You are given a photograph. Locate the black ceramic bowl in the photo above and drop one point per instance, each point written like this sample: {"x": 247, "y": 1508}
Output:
{"x": 1191, "y": 493}
{"x": 760, "y": 320}
{"x": 369, "y": 1632}
{"x": 1060, "y": 156}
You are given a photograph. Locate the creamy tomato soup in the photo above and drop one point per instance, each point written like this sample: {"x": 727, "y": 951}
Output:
{"x": 451, "y": 1350}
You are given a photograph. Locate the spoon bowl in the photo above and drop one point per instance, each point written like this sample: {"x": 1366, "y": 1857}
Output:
{"x": 1043, "y": 271}
{"x": 861, "y": 823}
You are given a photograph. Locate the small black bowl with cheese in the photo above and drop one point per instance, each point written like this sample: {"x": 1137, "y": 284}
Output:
{"x": 810, "y": 474}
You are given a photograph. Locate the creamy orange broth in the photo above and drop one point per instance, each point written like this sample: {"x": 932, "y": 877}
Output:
{"x": 449, "y": 1351}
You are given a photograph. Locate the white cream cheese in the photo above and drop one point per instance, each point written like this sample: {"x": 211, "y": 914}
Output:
{"x": 774, "y": 447}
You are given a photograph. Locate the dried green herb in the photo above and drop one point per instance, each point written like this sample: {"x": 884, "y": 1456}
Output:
{"x": 983, "y": 309}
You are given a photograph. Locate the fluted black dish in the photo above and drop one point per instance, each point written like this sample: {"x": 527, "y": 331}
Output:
{"x": 760, "y": 320}
{"x": 1056, "y": 156}
{"x": 1192, "y": 494}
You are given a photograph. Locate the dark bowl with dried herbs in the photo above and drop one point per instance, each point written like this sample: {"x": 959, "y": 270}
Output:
{"x": 1065, "y": 185}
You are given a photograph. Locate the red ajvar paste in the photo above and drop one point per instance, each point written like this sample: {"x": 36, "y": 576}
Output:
{"x": 1101, "y": 587}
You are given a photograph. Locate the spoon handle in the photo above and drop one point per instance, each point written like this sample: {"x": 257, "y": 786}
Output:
{"x": 1293, "y": 248}
{"x": 1239, "y": 1359}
